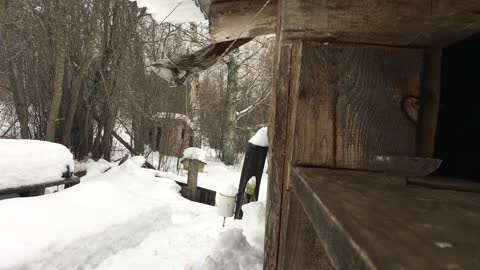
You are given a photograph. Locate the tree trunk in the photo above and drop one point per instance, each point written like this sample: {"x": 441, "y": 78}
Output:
{"x": 228, "y": 147}
{"x": 58, "y": 85}
{"x": 16, "y": 85}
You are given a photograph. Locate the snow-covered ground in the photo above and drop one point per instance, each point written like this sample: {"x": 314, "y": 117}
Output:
{"x": 127, "y": 218}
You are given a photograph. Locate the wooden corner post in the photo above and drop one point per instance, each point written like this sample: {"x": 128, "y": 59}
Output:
{"x": 335, "y": 105}
{"x": 192, "y": 178}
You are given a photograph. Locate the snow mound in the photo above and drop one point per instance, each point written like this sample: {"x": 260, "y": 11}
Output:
{"x": 229, "y": 190}
{"x": 232, "y": 252}
{"x": 195, "y": 153}
{"x": 28, "y": 162}
{"x": 260, "y": 138}
{"x": 254, "y": 224}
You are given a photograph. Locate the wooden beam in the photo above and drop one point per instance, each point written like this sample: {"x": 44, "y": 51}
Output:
{"x": 422, "y": 23}
{"x": 241, "y": 19}
{"x": 401, "y": 23}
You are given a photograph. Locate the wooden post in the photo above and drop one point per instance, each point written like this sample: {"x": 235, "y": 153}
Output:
{"x": 192, "y": 178}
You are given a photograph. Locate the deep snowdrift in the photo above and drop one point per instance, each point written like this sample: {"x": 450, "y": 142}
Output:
{"x": 27, "y": 162}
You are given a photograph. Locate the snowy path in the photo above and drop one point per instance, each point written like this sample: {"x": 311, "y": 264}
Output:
{"x": 125, "y": 218}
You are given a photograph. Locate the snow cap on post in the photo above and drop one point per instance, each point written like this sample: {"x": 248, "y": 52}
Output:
{"x": 260, "y": 138}
{"x": 195, "y": 153}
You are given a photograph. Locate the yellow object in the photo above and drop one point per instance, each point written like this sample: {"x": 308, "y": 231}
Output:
{"x": 250, "y": 188}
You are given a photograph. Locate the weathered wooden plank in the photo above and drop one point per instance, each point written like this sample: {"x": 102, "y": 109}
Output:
{"x": 382, "y": 225}
{"x": 372, "y": 85}
{"x": 277, "y": 153}
{"x": 68, "y": 182}
{"x": 401, "y": 23}
{"x": 351, "y": 104}
{"x": 241, "y": 19}
{"x": 288, "y": 233}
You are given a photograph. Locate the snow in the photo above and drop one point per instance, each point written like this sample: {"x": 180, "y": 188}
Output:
{"x": 195, "y": 153}
{"x": 187, "y": 10}
{"x": 127, "y": 218}
{"x": 232, "y": 252}
{"x": 254, "y": 223}
{"x": 229, "y": 190}
{"x": 260, "y": 138}
{"x": 28, "y": 162}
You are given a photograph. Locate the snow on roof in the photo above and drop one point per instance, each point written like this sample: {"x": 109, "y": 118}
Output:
{"x": 260, "y": 138}
{"x": 167, "y": 115}
{"x": 29, "y": 162}
{"x": 183, "y": 10}
{"x": 195, "y": 153}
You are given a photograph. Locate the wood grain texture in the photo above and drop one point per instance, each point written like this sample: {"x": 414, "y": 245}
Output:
{"x": 422, "y": 23}
{"x": 429, "y": 103}
{"x": 237, "y": 19}
{"x": 382, "y": 225}
{"x": 350, "y": 104}
{"x": 288, "y": 231}
{"x": 401, "y": 23}
{"x": 301, "y": 248}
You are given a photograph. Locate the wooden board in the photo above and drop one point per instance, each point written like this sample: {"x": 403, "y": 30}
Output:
{"x": 401, "y": 23}
{"x": 69, "y": 181}
{"x": 422, "y": 23}
{"x": 351, "y": 104}
{"x": 368, "y": 221}
{"x": 277, "y": 153}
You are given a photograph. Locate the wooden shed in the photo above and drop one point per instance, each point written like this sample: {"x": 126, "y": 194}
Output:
{"x": 171, "y": 133}
{"x": 355, "y": 80}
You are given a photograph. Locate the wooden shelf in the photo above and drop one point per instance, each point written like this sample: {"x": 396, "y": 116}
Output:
{"x": 372, "y": 221}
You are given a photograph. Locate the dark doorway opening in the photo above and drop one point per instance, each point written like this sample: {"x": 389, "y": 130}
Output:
{"x": 458, "y": 130}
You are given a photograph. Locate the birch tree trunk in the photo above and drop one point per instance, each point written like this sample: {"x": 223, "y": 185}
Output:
{"x": 228, "y": 147}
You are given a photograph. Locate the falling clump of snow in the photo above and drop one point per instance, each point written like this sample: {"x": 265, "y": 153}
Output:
{"x": 195, "y": 153}
{"x": 28, "y": 162}
{"x": 260, "y": 138}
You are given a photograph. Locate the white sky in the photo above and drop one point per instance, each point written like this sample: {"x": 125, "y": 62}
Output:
{"x": 187, "y": 11}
